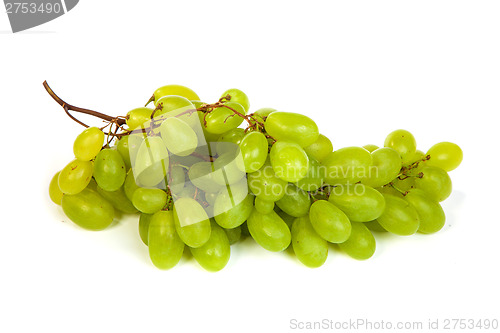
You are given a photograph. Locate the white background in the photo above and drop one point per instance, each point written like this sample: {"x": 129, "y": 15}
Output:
{"x": 360, "y": 69}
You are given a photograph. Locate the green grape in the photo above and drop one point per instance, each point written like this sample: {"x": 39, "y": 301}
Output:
{"x": 179, "y": 107}
{"x": 139, "y": 118}
{"x": 361, "y": 244}
{"x": 285, "y": 217}
{"x": 399, "y": 216}
{"x": 118, "y": 199}
{"x": 261, "y": 114}
{"x": 403, "y": 142}
{"x": 191, "y": 222}
{"x": 295, "y": 202}
{"x": 149, "y": 200}
{"x": 226, "y": 169}
{"x": 231, "y": 210}
{"x": 92, "y": 185}
{"x": 370, "y": 148}
{"x": 430, "y": 213}
{"x": 244, "y": 231}
{"x": 54, "y": 190}
{"x": 129, "y": 186}
{"x": 176, "y": 179}
{"x": 233, "y": 235}
{"x": 287, "y": 126}
{"x": 123, "y": 148}
{"x": 233, "y": 136}
{"x": 254, "y": 150}
{"x": 238, "y": 96}
{"x": 435, "y": 182}
{"x": 314, "y": 177}
{"x": 75, "y": 176}
{"x": 202, "y": 176}
{"x": 109, "y": 170}
{"x": 386, "y": 167}
{"x": 210, "y": 197}
{"x": 175, "y": 89}
{"x": 404, "y": 184}
{"x": 320, "y": 148}
{"x": 222, "y": 119}
{"x": 374, "y": 226}
{"x": 264, "y": 183}
{"x": 269, "y": 231}
{"x": 214, "y": 254}
{"x": 88, "y": 209}
{"x": 445, "y": 155}
{"x": 144, "y": 221}
{"x": 309, "y": 247}
{"x": 151, "y": 162}
{"x": 165, "y": 246}
{"x": 289, "y": 161}
{"x": 263, "y": 206}
{"x": 359, "y": 202}
{"x": 347, "y": 165}
{"x": 88, "y": 144}
{"x": 179, "y": 138}
{"x": 329, "y": 222}
{"x": 418, "y": 156}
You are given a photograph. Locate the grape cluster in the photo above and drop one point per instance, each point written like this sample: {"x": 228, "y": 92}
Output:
{"x": 201, "y": 181}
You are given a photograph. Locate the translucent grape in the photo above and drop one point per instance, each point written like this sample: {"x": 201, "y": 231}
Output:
{"x": 144, "y": 221}
{"x": 254, "y": 151}
{"x": 403, "y": 142}
{"x": 361, "y": 244}
{"x": 233, "y": 235}
{"x": 314, "y": 177}
{"x": 165, "y": 246}
{"x": 238, "y": 96}
{"x": 289, "y": 161}
{"x": 179, "y": 137}
{"x": 359, "y": 202}
{"x": 175, "y": 89}
{"x": 445, "y": 155}
{"x": 54, "y": 190}
{"x": 231, "y": 211}
{"x": 149, "y": 200}
{"x": 129, "y": 186}
{"x": 329, "y": 222}
{"x": 386, "y": 167}
{"x": 226, "y": 169}
{"x": 347, "y": 165}
{"x": 287, "y": 126}
{"x": 176, "y": 179}
{"x": 139, "y": 118}
{"x": 191, "y": 222}
{"x": 233, "y": 136}
{"x": 179, "y": 107}
{"x": 118, "y": 199}
{"x": 399, "y": 216}
{"x": 223, "y": 119}
{"x": 123, "y": 148}
{"x": 88, "y": 209}
{"x": 295, "y": 202}
{"x": 435, "y": 182}
{"x": 264, "y": 183}
{"x": 109, "y": 170}
{"x": 151, "y": 162}
{"x": 88, "y": 143}
{"x": 214, "y": 254}
{"x": 202, "y": 176}
{"x": 269, "y": 231}
{"x": 430, "y": 213}
{"x": 210, "y": 197}
{"x": 75, "y": 176}
{"x": 371, "y": 148}
{"x": 263, "y": 206}
{"x": 309, "y": 247}
{"x": 320, "y": 148}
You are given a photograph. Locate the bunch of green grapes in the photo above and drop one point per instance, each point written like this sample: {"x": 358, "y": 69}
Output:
{"x": 201, "y": 182}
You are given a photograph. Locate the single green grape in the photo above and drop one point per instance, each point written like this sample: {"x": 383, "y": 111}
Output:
{"x": 430, "y": 213}
{"x": 233, "y": 235}
{"x": 261, "y": 114}
{"x": 151, "y": 162}
{"x": 329, "y": 221}
{"x": 144, "y": 221}
{"x": 361, "y": 244}
{"x": 149, "y": 200}
{"x": 122, "y": 146}
{"x": 289, "y": 161}
{"x": 399, "y": 216}
{"x": 374, "y": 226}
{"x": 191, "y": 222}
{"x": 309, "y": 247}
{"x": 263, "y": 206}
{"x": 295, "y": 202}
{"x": 418, "y": 156}
{"x": 403, "y": 142}
{"x": 314, "y": 177}
{"x": 445, "y": 155}
{"x": 129, "y": 186}
{"x": 230, "y": 211}
{"x": 139, "y": 118}
{"x": 165, "y": 246}
{"x": 177, "y": 107}
{"x": 386, "y": 166}
{"x": 238, "y": 96}
{"x": 254, "y": 151}
{"x": 359, "y": 202}
{"x": 320, "y": 148}
{"x": 176, "y": 179}
{"x": 287, "y": 126}
{"x": 265, "y": 184}
{"x": 285, "y": 217}
{"x": 210, "y": 197}
{"x": 118, "y": 199}
{"x": 435, "y": 182}
{"x": 214, "y": 254}
{"x": 230, "y": 140}
{"x": 88, "y": 209}
{"x": 175, "y": 89}
{"x": 269, "y": 231}
{"x": 109, "y": 170}
{"x": 179, "y": 137}
{"x": 54, "y": 190}
{"x": 75, "y": 176}
{"x": 88, "y": 143}
{"x": 222, "y": 119}
{"x": 347, "y": 165}
{"x": 202, "y": 175}
{"x": 371, "y": 148}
